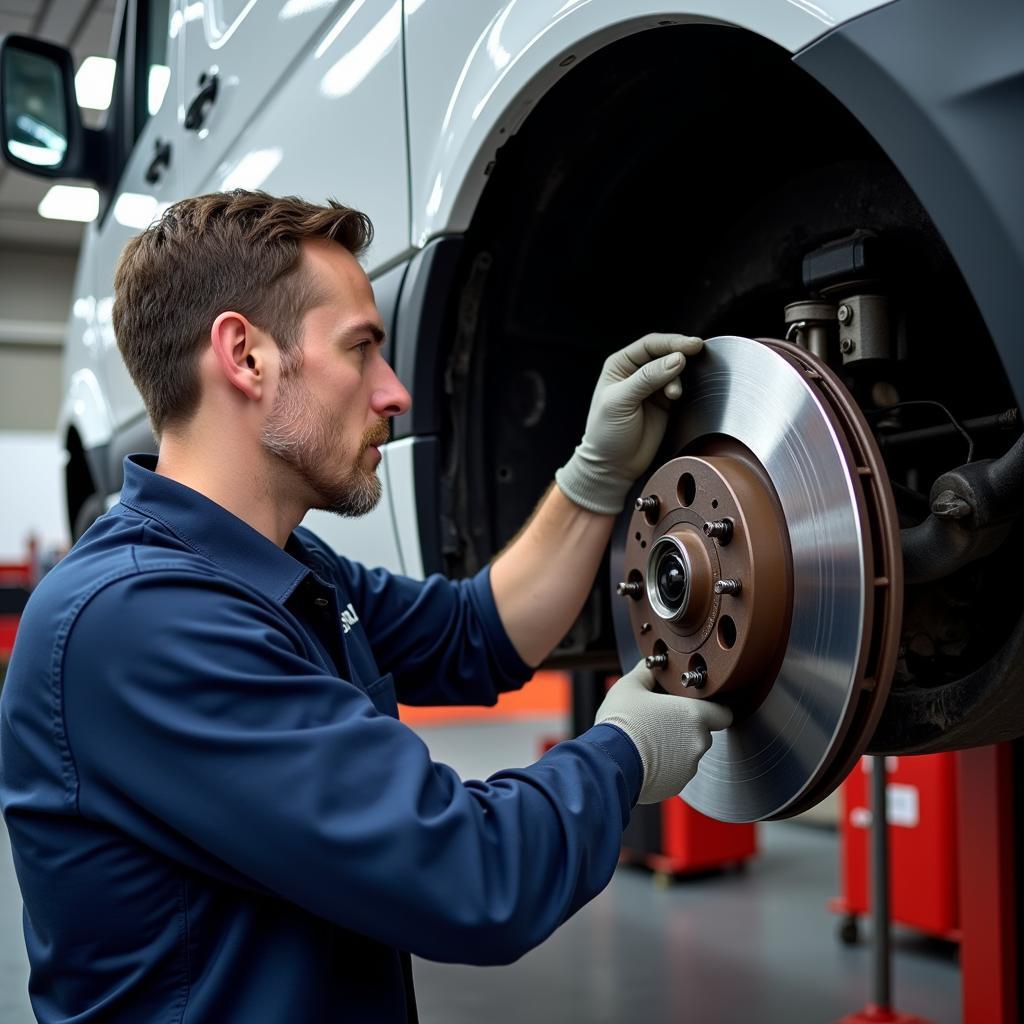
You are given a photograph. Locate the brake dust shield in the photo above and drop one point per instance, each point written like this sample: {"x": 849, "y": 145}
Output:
{"x": 762, "y": 569}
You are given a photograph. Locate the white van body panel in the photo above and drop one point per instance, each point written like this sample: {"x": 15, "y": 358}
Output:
{"x": 311, "y": 104}
{"x": 472, "y": 85}
{"x": 84, "y": 406}
{"x": 398, "y": 464}
{"x": 323, "y": 98}
{"x": 136, "y": 203}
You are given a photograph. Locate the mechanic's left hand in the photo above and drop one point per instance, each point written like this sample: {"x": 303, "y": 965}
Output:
{"x": 626, "y": 422}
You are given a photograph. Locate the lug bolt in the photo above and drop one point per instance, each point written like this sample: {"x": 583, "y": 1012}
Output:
{"x": 845, "y": 313}
{"x": 846, "y": 346}
{"x": 656, "y": 660}
{"x": 720, "y": 528}
{"x": 728, "y": 586}
{"x": 648, "y": 504}
{"x": 645, "y": 627}
{"x": 697, "y": 678}
{"x": 631, "y": 589}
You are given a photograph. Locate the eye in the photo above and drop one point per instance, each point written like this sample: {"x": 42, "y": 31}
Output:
{"x": 363, "y": 347}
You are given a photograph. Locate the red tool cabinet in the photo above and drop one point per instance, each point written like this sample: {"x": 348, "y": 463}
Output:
{"x": 922, "y": 805}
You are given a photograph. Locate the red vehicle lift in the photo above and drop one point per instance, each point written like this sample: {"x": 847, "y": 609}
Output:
{"x": 922, "y": 808}
{"x": 991, "y": 855}
{"x": 956, "y": 868}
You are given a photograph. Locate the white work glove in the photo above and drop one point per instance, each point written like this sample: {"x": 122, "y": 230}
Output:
{"x": 671, "y": 734}
{"x": 626, "y": 422}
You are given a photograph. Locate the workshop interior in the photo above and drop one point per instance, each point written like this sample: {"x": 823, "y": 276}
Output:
{"x": 827, "y": 540}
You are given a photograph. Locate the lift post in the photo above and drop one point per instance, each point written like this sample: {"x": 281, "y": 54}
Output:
{"x": 880, "y": 1010}
{"x": 991, "y": 847}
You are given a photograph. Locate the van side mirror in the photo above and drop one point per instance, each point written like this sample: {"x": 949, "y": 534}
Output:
{"x": 41, "y": 129}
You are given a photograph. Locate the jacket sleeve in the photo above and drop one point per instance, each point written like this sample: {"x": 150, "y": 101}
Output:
{"x": 197, "y": 725}
{"x": 442, "y": 639}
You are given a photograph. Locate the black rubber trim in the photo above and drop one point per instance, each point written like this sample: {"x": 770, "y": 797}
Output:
{"x": 939, "y": 84}
{"x": 136, "y": 437}
{"x": 419, "y": 333}
{"x": 97, "y": 461}
{"x": 426, "y": 476}
{"x": 387, "y": 288}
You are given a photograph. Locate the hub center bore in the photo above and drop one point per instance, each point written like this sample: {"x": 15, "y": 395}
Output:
{"x": 679, "y": 577}
{"x": 668, "y": 582}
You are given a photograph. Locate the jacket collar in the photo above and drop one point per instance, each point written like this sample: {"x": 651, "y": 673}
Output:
{"x": 214, "y": 532}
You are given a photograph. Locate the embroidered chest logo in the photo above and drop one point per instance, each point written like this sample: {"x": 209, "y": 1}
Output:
{"x": 348, "y": 617}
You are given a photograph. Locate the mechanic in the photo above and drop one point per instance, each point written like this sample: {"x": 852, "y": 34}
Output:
{"x": 215, "y": 812}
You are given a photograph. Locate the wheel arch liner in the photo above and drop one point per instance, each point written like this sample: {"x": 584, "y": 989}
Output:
{"x": 940, "y": 86}
{"x": 501, "y": 66}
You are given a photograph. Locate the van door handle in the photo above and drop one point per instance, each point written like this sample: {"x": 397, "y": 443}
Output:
{"x": 195, "y": 116}
{"x": 160, "y": 162}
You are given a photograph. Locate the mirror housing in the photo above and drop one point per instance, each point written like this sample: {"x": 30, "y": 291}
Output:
{"x": 82, "y": 155}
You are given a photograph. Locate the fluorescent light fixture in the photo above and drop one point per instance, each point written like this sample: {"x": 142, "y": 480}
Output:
{"x": 135, "y": 210}
{"x": 159, "y": 78}
{"x": 94, "y": 82}
{"x": 70, "y": 202}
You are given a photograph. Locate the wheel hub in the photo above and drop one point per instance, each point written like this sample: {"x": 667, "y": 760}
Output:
{"x": 761, "y": 567}
{"x": 710, "y": 550}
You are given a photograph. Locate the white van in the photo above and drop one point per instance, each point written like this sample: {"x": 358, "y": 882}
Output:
{"x": 549, "y": 180}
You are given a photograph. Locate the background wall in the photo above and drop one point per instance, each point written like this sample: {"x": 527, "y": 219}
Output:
{"x": 35, "y": 297}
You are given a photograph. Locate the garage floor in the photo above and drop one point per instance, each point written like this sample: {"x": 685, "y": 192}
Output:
{"x": 731, "y": 949}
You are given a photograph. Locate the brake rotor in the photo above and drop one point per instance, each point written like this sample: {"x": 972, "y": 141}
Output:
{"x": 762, "y": 568}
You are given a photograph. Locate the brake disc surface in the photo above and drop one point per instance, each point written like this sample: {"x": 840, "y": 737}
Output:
{"x": 764, "y": 571}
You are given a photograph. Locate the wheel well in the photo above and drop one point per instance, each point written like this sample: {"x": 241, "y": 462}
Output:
{"x": 625, "y": 204}
{"x": 674, "y": 181}
{"x": 78, "y": 481}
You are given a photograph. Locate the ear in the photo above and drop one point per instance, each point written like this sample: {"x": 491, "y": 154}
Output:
{"x": 240, "y": 352}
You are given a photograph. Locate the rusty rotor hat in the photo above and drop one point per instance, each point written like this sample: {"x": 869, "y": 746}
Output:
{"x": 761, "y": 568}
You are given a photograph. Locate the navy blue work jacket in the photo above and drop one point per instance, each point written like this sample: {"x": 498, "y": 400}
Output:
{"x": 217, "y": 817}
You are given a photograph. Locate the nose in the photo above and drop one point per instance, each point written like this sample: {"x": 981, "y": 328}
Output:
{"x": 390, "y": 397}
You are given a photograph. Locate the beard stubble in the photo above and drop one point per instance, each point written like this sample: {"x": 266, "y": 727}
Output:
{"x": 300, "y": 433}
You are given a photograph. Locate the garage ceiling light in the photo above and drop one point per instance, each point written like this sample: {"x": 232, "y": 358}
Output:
{"x": 94, "y": 82}
{"x": 70, "y": 202}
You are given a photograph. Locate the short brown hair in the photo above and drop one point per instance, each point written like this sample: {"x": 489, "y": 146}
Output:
{"x": 236, "y": 251}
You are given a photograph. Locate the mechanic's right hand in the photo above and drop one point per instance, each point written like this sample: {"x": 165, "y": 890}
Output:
{"x": 671, "y": 734}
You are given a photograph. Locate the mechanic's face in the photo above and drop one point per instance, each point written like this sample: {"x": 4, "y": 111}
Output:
{"x": 330, "y": 415}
